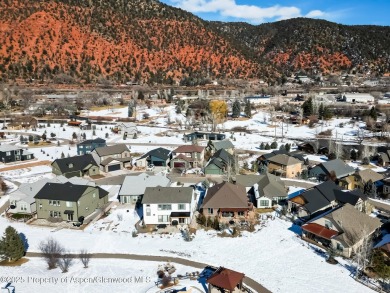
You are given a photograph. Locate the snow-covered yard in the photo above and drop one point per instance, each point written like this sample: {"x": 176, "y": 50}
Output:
{"x": 120, "y": 276}
{"x": 274, "y": 256}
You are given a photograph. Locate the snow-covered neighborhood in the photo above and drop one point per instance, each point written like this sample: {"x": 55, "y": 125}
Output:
{"x": 254, "y": 200}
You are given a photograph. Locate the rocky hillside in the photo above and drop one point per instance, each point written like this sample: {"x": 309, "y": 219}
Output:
{"x": 122, "y": 40}
{"x": 119, "y": 39}
{"x": 313, "y": 46}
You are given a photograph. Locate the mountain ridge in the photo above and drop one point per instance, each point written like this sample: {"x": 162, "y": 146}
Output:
{"x": 146, "y": 40}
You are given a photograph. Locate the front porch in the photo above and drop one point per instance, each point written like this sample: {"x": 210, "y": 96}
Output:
{"x": 319, "y": 234}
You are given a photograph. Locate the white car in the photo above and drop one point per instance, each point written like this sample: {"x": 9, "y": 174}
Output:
{"x": 150, "y": 167}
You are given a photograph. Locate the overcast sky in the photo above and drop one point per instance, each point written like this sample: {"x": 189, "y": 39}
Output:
{"x": 376, "y": 12}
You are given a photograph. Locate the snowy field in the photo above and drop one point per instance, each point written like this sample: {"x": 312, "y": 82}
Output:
{"x": 127, "y": 276}
{"x": 274, "y": 256}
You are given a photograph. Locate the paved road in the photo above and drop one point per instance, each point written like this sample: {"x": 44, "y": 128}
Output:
{"x": 199, "y": 265}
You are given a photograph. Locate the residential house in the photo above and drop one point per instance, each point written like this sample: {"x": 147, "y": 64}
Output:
{"x": 386, "y": 187}
{"x": 335, "y": 168}
{"x": 268, "y": 191}
{"x": 219, "y": 163}
{"x": 248, "y": 181}
{"x": 216, "y": 145}
{"x": 355, "y": 198}
{"x": 225, "y": 280}
{"x": 285, "y": 166}
{"x": 22, "y": 200}
{"x": 187, "y": 157}
{"x": 384, "y": 245}
{"x": 10, "y": 153}
{"x": 227, "y": 201}
{"x": 168, "y": 205}
{"x": 78, "y": 166}
{"x": 203, "y": 135}
{"x": 359, "y": 179}
{"x": 22, "y": 122}
{"x": 343, "y": 228}
{"x": 127, "y": 129}
{"x": 314, "y": 200}
{"x": 258, "y": 100}
{"x": 87, "y": 146}
{"x": 69, "y": 202}
{"x": 112, "y": 158}
{"x": 383, "y": 157}
{"x": 133, "y": 187}
{"x": 308, "y": 147}
{"x": 158, "y": 157}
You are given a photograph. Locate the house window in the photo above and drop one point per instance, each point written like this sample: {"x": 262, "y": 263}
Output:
{"x": 50, "y": 202}
{"x": 55, "y": 214}
{"x": 210, "y": 211}
{"x": 7, "y": 153}
{"x": 241, "y": 214}
{"x": 94, "y": 195}
{"x": 23, "y": 207}
{"x": 164, "y": 207}
{"x": 70, "y": 165}
{"x": 339, "y": 247}
{"x": 182, "y": 220}
{"x": 148, "y": 212}
{"x": 264, "y": 203}
{"x": 51, "y": 214}
{"x": 328, "y": 224}
{"x": 69, "y": 204}
{"x": 181, "y": 206}
{"x": 163, "y": 218}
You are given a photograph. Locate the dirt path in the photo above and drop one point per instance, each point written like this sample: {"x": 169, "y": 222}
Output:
{"x": 26, "y": 165}
{"x": 199, "y": 265}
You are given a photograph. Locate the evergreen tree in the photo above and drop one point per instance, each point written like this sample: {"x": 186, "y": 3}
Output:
{"x": 216, "y": 224}
{"x": 248, "y": 109}
{"x": 307, "y": 107}
{"x": 373, "y": 113}
{"x": 327, "y": 113}
{"x": 262, "y": 146}
{"x": 366, "y": 161}
{"x": 62, "y": 155}
{"x": 274, "y": 145}
{"x": 267, "y": 147}
{"x": 11, "y": 245}
{"x": 282, "y": 147}
{"x": 236, "y": 109}
{"x": 287, "y": 147}
{"x": 321, "y": 111}
{"x": 354, "y": 155}
{"x": 74, "y": 135}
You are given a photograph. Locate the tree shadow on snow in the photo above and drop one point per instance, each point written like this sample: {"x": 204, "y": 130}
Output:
{"x": 24, "y": 240}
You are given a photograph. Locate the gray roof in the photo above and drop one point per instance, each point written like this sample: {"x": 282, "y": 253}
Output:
{"x": 285, "y": 160}
{"x": 27, "y": 191}
{"x": 271, "y": 186}
{"x": 223, "y": 144}
{"x": 111, "y": 150}
{"x": 339, "y": 167}
{"x": 353, "y": 223}
{"x": 247, "y": 180}
{"x": 8, "y": 148}
{"x": 156, "y": 195}
{"x": 226, "y": 195}
{"x": 75, "y": 163}
{"x": 91, "y": 141}
{"x": 136, "y": 185}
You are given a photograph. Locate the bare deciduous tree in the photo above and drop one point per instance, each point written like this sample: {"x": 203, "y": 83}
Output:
{"x": 85, "y": 257}
{"x": 51, "y": 250}
{"x": 65, "y": 261}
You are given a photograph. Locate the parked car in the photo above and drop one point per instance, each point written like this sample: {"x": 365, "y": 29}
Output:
{"x": 150, "y": 167}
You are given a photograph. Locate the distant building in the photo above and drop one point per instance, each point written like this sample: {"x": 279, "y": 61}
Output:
{"x": 258, "y": 100}
{"x": 203, "y": 135}
{"x": 358, "y": 98}
{"x": 87, "y": 146}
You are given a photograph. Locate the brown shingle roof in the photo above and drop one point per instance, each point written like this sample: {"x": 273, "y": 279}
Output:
{"x": 226, "y": 195}
{"x": 284, "y": 160}
{"x": 368, "y": 175}
{"x": 225, "y": 278}
{"x": 189, "y": 149}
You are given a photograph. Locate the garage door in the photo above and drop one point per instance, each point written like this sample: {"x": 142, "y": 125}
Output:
{"x": 158, "y": 163}
{"x": 179, "y": 165}
{"x": 114, "y": 167}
